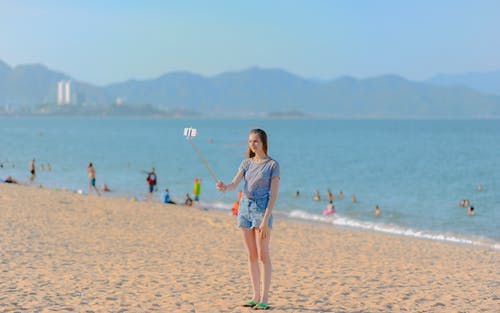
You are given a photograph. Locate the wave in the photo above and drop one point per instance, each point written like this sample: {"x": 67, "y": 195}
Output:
{"x": 393, "y": 229}
{"x": 342, "y": 221}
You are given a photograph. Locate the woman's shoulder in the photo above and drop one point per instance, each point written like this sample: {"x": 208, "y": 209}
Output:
{"x": 245, "y": 162}
{"x": 273, "y": 162}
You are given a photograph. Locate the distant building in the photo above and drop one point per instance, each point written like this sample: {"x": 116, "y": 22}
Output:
{"x": 60, "y": 92}
{"x": 64, "y": 92}
{"x": 67, "y": 92}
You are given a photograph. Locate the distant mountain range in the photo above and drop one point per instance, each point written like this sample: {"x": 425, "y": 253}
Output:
{"x": 251, "y": 92}
{"x": 487, "y": 82}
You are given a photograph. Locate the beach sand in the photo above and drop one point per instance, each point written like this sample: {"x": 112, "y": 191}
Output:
{"x": 60, "y": 251}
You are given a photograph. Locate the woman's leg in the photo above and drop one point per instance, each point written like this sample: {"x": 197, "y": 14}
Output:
{"x": 265, "y": 259}
{"x": 253, "y": 261}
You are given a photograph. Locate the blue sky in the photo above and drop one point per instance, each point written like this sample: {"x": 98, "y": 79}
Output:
{"x": 109, "y": 41}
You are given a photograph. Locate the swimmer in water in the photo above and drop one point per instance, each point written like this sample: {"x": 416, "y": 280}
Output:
{"x": 329, "y": 209}
{"x": 329, "y": 195}
{"x": 341, "y": 195}
{"x": 316, "y": 196}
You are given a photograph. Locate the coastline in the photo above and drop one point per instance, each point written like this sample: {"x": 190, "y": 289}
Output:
{"x": 64, "y": 251}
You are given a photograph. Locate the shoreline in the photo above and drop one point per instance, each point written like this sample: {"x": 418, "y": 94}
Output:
{"x": 317, "y": 219}
{"x": 64, "y": 251}
{"x": 427, "y": 235}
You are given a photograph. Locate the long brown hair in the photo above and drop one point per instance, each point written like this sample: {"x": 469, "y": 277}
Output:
{"x": 263, "y": 137}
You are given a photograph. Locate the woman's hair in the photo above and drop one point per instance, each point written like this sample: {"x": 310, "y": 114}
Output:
{"x": 263, "y": 137}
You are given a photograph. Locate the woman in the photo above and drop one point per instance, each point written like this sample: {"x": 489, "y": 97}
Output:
{"x": 261, "y": 176}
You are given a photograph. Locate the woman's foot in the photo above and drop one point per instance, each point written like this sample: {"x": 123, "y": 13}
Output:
{"x": 261, "y": 306}
{"x": 250, "y": 304}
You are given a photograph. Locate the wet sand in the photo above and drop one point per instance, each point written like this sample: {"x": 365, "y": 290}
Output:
{"x": 60, "y": 251}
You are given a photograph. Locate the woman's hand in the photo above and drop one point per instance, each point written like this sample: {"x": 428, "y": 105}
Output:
{"x": 264, "y": 228}
{"x": 220, "y": 186}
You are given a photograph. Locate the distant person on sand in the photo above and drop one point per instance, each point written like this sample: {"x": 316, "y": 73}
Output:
{"x": 10, "y": 180}
{"x": 32, "y": 170}
{"x": 91, "y": 173}
{"x": 377, "y": 211}
{"x": 105, "y": 188}
{"x": 166, "y": 197}
{"x": 151, "y": 179}
{"x": 196, "y": 189}
{"x": 261, "y": 175}
{"x": 187, "y": 200}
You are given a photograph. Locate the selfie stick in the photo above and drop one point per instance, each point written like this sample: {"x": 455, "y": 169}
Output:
{"x": 190, "y": 133}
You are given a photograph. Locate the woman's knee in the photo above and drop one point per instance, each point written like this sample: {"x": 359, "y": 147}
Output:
{"x": 264, "y": 257}
{"x": 253, "y": 254}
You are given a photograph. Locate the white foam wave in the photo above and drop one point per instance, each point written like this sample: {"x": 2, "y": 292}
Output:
{"x": 215, "y": 205}
{"x": 392, "y": 229}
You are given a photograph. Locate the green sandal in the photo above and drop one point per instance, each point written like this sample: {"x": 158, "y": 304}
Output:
{"x": 261, "y": 306}
{"x": 249, "y": 304}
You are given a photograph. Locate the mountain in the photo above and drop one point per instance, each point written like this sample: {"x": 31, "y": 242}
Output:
{"x": 485, "y": 82}
{"x": 251, "y": 92}
{"x": 245, "y": 92}
{"x": 395, "y": 97}
{"x": 35, "y": 84}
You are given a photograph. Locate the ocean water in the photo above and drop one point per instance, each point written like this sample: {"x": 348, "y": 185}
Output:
{"x": 415, "y": 170}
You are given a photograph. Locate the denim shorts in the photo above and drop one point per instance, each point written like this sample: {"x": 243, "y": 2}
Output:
{"x": 251, "y": 213}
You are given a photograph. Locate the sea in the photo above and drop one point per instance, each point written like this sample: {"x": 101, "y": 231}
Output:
{"x": 416, "y": 171}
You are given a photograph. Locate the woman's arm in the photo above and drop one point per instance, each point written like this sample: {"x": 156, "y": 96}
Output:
{"x": 273, "y": 194}
{"x": 234, "y": 183}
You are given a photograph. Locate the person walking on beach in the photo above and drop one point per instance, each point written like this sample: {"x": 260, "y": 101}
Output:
{"x": 261, "y": 175}
{"x": 197, "y": 189}
{"x": 151, "y": 179}
{"x": 32, "y": 170}
{"x": 91, "y": 172}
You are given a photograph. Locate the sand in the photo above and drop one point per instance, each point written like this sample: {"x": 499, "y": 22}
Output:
{"x": 60, "y": 251}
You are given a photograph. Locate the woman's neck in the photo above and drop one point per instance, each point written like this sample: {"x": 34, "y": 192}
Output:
{"x": 260, "y": 156}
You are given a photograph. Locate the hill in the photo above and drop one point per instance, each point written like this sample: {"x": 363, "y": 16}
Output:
{"x": 250, "y": 92}
{"x": 485, "y": 82}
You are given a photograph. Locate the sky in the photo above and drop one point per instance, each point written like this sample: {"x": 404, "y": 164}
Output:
{"x": 102, "y": 42}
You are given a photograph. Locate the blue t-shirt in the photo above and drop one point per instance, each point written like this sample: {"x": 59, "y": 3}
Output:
{"x": 258, "y": 176}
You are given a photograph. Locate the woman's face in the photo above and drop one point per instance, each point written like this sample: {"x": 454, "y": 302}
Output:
{"x": 255, "y": 144}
